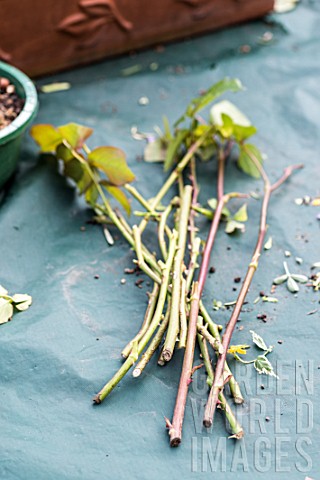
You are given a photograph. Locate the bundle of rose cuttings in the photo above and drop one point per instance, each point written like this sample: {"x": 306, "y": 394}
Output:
{"x": 176, "y": 317}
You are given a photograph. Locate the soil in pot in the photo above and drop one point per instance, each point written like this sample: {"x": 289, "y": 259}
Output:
{"x": 10, "y": 103}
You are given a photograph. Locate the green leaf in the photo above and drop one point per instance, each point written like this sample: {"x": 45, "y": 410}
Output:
{"x": 207, "y": 152}
{"x": 64, "y": 153}
{"x": 299, "y": 278}
{"x": 226, "y": 129}
{"x": 227, "y": 84}
{"x": 213, "y": 202}
{"x": 46, "y": 136}
{"x": 22, "y": 301}
{"x": 292, "y": 285}
{"x": 229, "y": 109}
{"x": 241, "y": 215}
{"x": 281, "y": 279}
{"x": 155, "y": 151}
{"x": 166, "y": 126}
{"x": 241, "y": 133}
{"x": 262, "y": 365}
{"x": 118, "y": 194}
{"x": 232, "y": 226}
{"x": 91, "y": 195}
{"x": 173, "y": 147}
{"x": 112, "y": 161}
{"x": 268, "y": 244}
{"x": 74, "y": 170}
{"x": 245, "y": 163}
{"x": 6, "y": 310}
{"x": 75, "y": 134}
{"x": 257, "y": 340}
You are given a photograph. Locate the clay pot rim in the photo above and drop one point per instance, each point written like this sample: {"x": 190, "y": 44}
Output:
{"x": 25, "y": 88}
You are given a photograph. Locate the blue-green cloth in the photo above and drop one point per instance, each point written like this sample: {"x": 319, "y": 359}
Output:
{"x": 58, "y": 354}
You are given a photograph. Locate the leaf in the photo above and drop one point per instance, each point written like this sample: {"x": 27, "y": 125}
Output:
{"x": 262, "y": 365}
{"x": 228, "y": 108}
{"x": 257, "y": 340}
{"x": 74, "y": 170}
{"x": 91, "y": 195}
{"x": 292, "y": 286}
{"x": 268, "y": 244}
{"x": 155, "y": 151}
{"x": 279, "y": 280}
{"x": 226, "y": 129}
{"x": 64, "y": 153}
{"x": 6, "y": 310}
{"x": 166, "y": 126}
{"x": 227, "y": 84}
{"x": 207, "y": 152}
{"x": 213, "y": 202}
{"x": 241, "y": 215}
{"x": 112, "y": 161}
{"x": 241, "y": 133}
{"x": 46, "y": 136}
{"x": 3, "y": 291}
{"x": 75, "y": 134}
{"x": 232, "y": 226}
{"x": 245, "y": 162}
{"x": 299, "y": 278}
{"x": 173, "y": 147}
{"x": 119, "y": 196}
{"x": 22, "y": 301}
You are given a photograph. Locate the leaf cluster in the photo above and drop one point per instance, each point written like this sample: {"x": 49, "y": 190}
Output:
{"x": 8, "y": 303}
{"x": 101, "y": 169}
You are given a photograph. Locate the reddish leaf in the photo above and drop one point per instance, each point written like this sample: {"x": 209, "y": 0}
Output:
{"x": 112, "y": 161}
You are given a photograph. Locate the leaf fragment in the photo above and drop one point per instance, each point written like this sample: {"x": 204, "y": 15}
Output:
{"x": 263, "y": 366}
{"x": 257, "y": 340}
{"x": 268, "y": 244}
{"x": 112, "y": 161}
{"x": 6, "y": 310}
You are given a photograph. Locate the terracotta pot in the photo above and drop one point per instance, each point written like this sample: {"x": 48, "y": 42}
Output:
{"x": 42, "y": 36}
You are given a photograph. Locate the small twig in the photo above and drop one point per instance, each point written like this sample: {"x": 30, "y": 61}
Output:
{"x": 176, "y": 431}
{"x": 140, "y": 262}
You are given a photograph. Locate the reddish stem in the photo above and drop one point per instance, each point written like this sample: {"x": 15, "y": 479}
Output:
{"x": 218, "y": 383}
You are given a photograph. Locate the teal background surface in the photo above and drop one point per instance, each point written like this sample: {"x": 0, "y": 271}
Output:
{"x": 55, "y": 356}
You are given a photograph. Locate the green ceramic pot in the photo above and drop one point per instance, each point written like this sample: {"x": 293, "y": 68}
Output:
{"x": 11, "y": 136}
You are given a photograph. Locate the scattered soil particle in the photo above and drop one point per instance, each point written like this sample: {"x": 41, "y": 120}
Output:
{"x": 237, "y": 279}
{"x": 262, "y": 294}
{"x": 262, "y": 386}
{"x": 262, "y": 316}
{"x": 97, "y": 277}
{"x": 139, "y": 282}
{"x": 267, "y": 419}
{"x": 212, "y": 270}
{"x": 82, "y": 229}
{"x": 280, "y": 342}
{"x": 123, "y": 281}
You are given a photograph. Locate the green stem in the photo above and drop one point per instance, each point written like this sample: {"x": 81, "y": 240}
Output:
{"x": 139, "y": 347}
{"x": 235, "y": 427}
{"x": 140, "y": 262}
{"x": 183, "y": 315}
{"x": 193, "y": 261}
{"x": 161, "y": 230}
{"x": 146, "y": 322}
{"x": 154, "y": 344}
{"x": 174, "y": 175}
{"x": 173, "y": 327}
